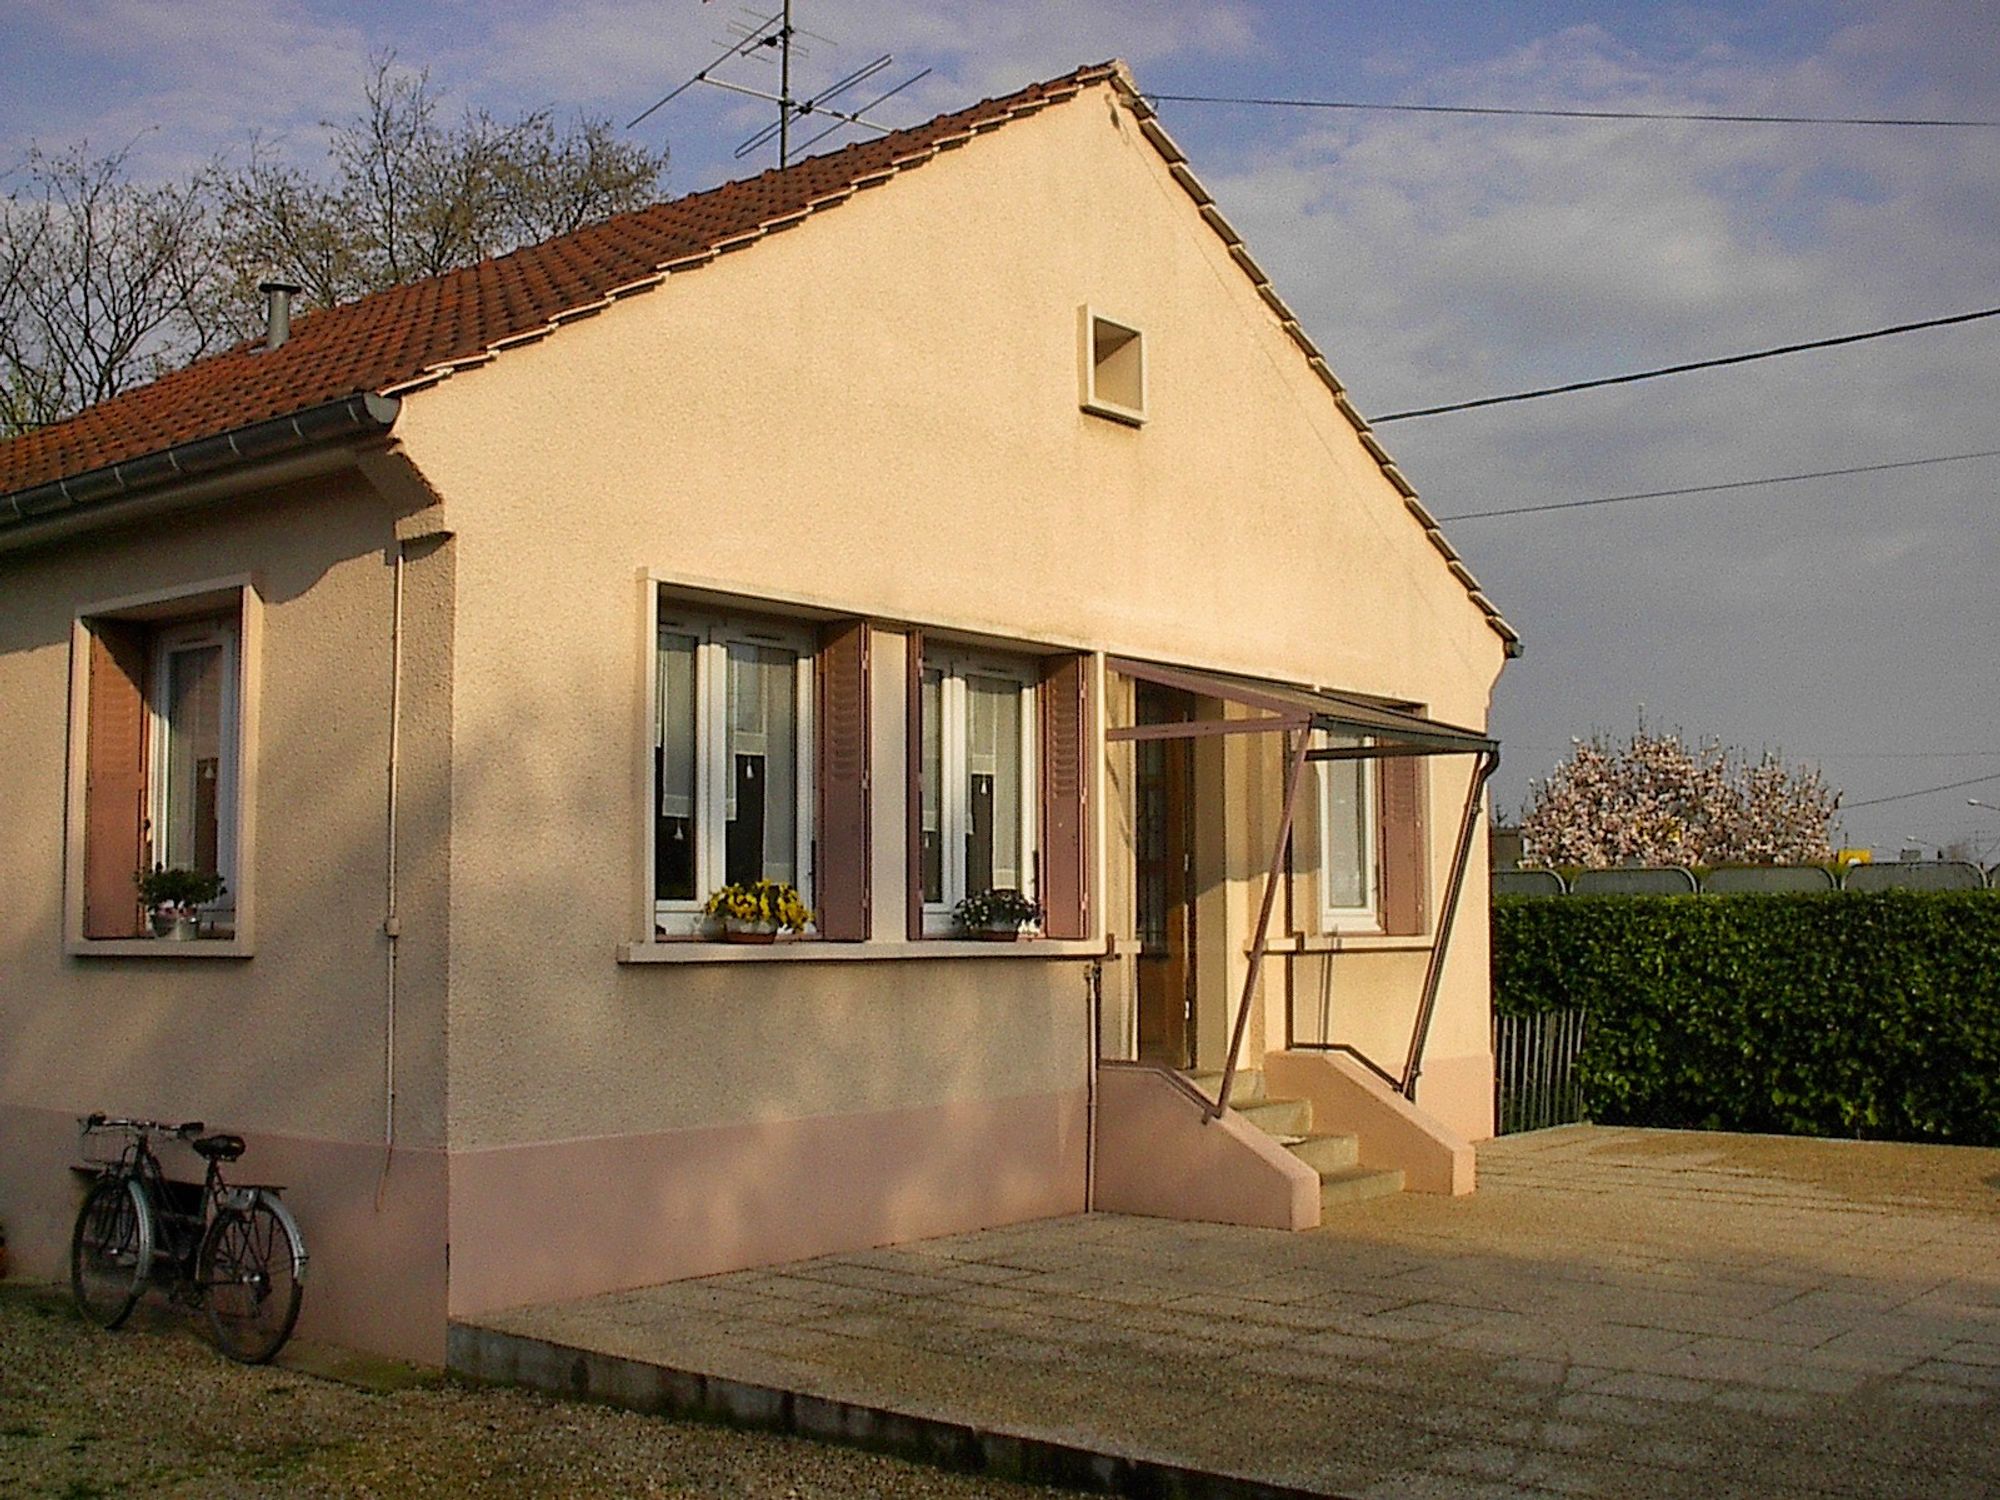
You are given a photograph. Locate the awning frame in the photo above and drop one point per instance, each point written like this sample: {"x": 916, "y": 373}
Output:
{"x": 1296, "y": 712}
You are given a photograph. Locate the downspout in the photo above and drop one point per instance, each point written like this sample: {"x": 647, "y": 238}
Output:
{"x": 1094, "y": 982}
{"x": 391, "y": 922}
{"x": 1488, "y": 763}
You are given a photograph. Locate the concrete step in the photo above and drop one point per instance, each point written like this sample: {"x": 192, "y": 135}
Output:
{"x": 1326, "y": 1153}
{"x": 1287, "y": 1119}
{"x": 1357, "y": 1184}
{"x": 1248, "y": 1088}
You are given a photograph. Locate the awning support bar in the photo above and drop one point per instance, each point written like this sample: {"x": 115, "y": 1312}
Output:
{"x": 1271, "y": 878}
{"x": 1483, "y": 768}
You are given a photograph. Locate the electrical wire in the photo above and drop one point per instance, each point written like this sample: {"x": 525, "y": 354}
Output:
{"x": 1585, "y": 114}
{"x": 1698, "y": 364}
{"x": 1949, "y": 786}
{"x": 1709, "y": 489}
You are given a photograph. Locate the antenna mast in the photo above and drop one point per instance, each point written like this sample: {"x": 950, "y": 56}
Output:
{"x": 776, "y": 31}
{"x": 785, "y": 89}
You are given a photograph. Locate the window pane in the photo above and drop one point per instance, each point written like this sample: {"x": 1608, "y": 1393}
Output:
{"x": 1344, "y": 846}
{"x": 761, "y": 756}
{"x": 194, "y": 759}
{"x": 930, "y": 776}
{"x": 675, "y": 834}
{"x": 993, "y": 784}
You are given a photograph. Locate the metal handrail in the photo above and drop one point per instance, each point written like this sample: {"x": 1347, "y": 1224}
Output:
{"x": 1488, "y": 763}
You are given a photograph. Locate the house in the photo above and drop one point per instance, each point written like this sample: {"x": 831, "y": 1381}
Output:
{"x": 960, "y": 510}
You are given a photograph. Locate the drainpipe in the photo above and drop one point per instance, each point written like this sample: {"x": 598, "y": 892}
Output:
{"x": 391, "y": 922}
{"x": 1094, "y": 987}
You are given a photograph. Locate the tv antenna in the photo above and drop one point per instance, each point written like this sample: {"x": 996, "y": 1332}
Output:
{"x": 775, "y": 33}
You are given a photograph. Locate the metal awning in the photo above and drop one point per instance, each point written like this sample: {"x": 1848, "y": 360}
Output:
{"x": 1391, "y": 731}
{"x": 1383, "y": 731}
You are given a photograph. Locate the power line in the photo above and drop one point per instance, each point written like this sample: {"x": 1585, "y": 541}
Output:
{"x": 1949, "y": 786}
{"x": 1585, "y": 114}
{"x": 1699, "y": 364}
{"x": 1906, "y": 754}
{"x": 1709, "y": 489}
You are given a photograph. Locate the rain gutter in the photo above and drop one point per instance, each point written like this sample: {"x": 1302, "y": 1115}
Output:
{"x": 302, "y": 444}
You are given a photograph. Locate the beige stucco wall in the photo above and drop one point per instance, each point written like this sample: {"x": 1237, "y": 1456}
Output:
{"x": 877, "y": 412}
{"x": 287, "y": 1045}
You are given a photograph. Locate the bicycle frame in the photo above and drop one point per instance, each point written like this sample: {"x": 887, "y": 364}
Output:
{"x": 180, "y": 1216}
{"x": 233, "y": 1251}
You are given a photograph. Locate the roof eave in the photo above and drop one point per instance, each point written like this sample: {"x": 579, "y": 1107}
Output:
{"x": 191, "y": 472}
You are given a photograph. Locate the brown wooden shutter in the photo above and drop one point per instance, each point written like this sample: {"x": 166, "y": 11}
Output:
{"x": 1398, "y": 780}
{"x": 115, "y": 842}
{"x": 841, "y": 870}
{"x": 913, "y": 808}
{"x": 1066, "y": 756}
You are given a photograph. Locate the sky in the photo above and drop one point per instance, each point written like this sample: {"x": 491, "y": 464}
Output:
{"x": 1847, "y": 623}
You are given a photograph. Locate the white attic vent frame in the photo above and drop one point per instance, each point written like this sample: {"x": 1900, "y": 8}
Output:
{"x": 1111, "y": 364}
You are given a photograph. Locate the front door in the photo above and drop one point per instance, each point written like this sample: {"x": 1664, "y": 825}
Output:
{"x": 1165, "y": 877}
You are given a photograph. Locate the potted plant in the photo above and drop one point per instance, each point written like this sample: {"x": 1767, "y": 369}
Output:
{"x": 174, "y": 899}
{"x": 757, "y": 911}
{"x": 999, "y": 915}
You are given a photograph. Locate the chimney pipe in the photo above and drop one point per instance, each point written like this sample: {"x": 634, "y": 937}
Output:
{"x": 278, "y": 294}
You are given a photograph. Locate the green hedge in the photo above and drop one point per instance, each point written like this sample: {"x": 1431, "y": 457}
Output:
{"x": 1844, "y": 1014}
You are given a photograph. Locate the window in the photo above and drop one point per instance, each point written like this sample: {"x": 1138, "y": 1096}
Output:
{"x": 1111, "y": 359}
{"x": 193, "y": 707}
{"x": 1347, "y": 839}
{"x": 162, "y": 739}
{"x": 733, "y": 759}
{"x": 1371, "y": 839}
{"x": 976, "y": 763}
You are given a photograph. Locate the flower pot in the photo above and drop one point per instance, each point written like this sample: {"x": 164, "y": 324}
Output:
{"x": 736, "y": 930}
{"x": 1008, "y": 932}
{"x": 175, "y": 927}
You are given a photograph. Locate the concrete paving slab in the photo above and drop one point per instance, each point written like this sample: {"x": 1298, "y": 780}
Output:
{"x": 1615, "y": 1312}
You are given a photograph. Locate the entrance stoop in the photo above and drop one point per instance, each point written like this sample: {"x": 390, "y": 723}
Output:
{"x": 1289, "y": 1122}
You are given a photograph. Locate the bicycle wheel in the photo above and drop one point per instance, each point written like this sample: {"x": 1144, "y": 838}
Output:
{"x": 111, "y": 1250}
{"x": 250, "y": 1270}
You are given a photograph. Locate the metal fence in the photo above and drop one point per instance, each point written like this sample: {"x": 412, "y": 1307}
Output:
{"x": 1534, "y": 1070}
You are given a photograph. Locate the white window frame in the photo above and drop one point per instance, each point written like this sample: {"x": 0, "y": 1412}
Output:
{"x": 954, "y": 665}
{"x": 1367, "y": 916}
{"x": 167, "y": 641}
{"x": 1094, "y": 400}
{"x": 714, "y": 634}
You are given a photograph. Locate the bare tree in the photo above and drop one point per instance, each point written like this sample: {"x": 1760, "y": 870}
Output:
{"x": 99, "y": 284}
{"x": 412, "y": 195}
{"x": 106, "y": 283}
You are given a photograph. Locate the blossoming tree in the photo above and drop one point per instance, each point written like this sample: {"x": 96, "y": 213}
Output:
{"x": 1654, "y": 800}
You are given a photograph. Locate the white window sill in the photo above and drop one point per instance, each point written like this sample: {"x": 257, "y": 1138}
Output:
{"x": 812, "y": 950}
{"x": 1131, "y": 416}
{"x": 158, "y": 948}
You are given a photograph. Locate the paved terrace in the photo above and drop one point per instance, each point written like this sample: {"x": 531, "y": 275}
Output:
{"x": 1615, "y": 1312}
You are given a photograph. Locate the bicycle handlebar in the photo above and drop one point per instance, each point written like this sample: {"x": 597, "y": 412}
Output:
{"x": 98, "y": 1120}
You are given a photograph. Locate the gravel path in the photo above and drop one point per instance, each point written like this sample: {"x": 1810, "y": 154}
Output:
{"x": 155, "y": 1411}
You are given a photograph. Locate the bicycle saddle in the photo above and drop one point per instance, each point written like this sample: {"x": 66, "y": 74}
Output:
{"x": 220, "y": 1147}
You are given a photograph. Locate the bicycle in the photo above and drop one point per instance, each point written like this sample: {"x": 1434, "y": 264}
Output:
{"x": 234, "y": 1251}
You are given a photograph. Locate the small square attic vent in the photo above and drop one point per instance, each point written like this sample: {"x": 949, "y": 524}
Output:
{"x": 1111, "y": 360}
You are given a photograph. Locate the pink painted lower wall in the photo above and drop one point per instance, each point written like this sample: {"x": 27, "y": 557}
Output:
{"x": 1459, "y": 1092}
{"x": 1159, "y": 1155}
{"x": 563, "y": 1219}
{"x": 375, "y": 1241}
